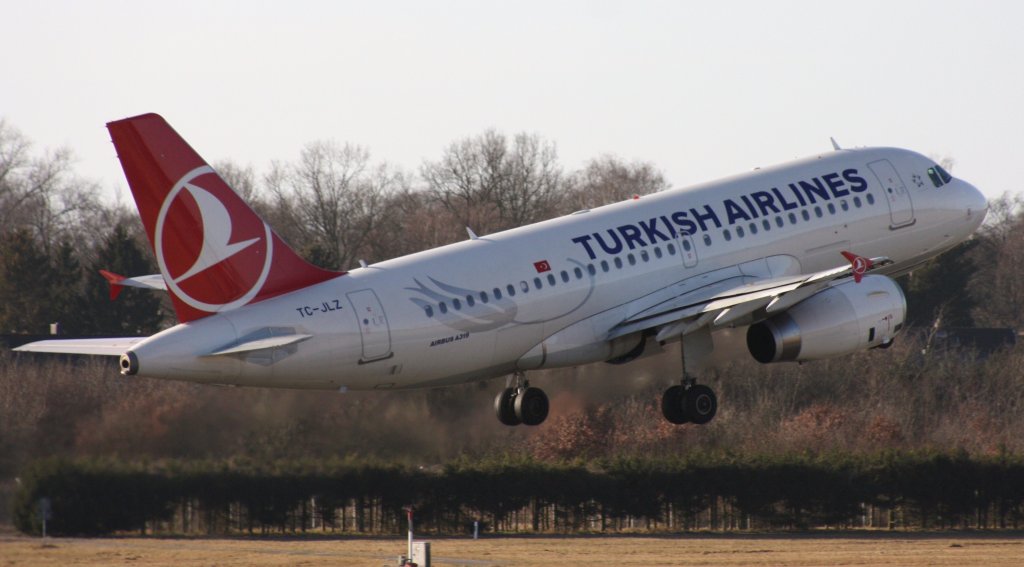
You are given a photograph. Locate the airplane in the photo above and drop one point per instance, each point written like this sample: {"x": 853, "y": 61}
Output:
{"x": 762, "y": 250}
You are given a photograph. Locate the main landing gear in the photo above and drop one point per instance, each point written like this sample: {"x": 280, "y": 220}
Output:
{"x": 519, "y": 403}
{"x": 688, "y": 401}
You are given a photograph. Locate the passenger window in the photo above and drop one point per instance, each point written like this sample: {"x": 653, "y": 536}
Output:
{"x": 644, "y": 255}
{"x": 525, "y": 287}
{"x": 551, "y": 279}
{"x": 845, "y": 206}
{"x": 631, "y": 259}
{"x": 429, "y": 310}
{"x": 831, "y": 208}
{"x": 591, "y": 269}
{"x": 671, "y": 249}
{"x": 870, "y": 198}
{"x": 779, "y": 222}
{"x": 483, "y": 296}
{"x": 511, "y": 290}
{"x": 604, "y": 265}
{"x": 578, "y": 272}
{"x": 805, "y": 214}
{"x": 456, "y": 304}
{"x": 657, "y": 252}
{"x": 856, "y": 201}
{"x": 792, "y": 218}
{"x": 686, "y": 245}
{"x": 727, "y": 235}
{"x": 739, "y": 231}
{"x": 565, "y": 276}
{"x": 470, "y": 301}
{"x": 537, "y": 283}
{"x": 707, "y": 240}
{"x": 753, "y": 228}
{"x": 497, "y": 293}
{"x": 817, "y": 212}
{"x": 443, "y": 307}
{"x": 618, "y": 262}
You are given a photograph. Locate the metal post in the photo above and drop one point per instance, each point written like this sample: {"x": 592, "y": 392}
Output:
{"x": 409, "y": 512}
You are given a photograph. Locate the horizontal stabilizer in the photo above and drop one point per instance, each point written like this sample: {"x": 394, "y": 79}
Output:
{"x": 119, "y": 282}
{"x": 98, "y": 347}
{"x": 261, "y": 344}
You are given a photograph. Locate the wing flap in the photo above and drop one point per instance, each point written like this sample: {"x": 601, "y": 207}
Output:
{"x": 729, "y": 300}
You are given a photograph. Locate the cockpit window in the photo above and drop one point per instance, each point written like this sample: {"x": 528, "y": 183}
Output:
{"x": 939, "y": 176}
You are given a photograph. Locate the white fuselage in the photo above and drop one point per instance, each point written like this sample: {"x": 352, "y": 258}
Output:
{"x": 474, "y": 309}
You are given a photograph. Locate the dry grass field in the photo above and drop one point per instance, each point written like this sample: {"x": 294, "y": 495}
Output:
{"x": 903, "y": 549}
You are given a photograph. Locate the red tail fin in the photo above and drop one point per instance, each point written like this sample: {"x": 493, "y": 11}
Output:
{"x": 213, "y": 250}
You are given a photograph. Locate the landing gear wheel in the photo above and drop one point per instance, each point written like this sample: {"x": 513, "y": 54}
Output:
{"x": 531, "y": 406}
{"x": 672, "y": 405}
{"x": 700, "y": 404}
{"x": 504, "y": 406}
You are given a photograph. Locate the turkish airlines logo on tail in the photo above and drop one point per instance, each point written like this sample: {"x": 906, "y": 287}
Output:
{"x": 214, "y": 252}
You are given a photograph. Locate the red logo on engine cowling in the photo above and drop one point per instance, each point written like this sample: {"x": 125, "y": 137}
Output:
{"x": 214, "y": 252}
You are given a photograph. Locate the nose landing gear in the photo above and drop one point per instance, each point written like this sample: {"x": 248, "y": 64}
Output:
{"x": 518, "y": 403}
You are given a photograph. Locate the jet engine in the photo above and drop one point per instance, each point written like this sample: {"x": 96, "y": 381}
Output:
{"x": 842, "y": 319}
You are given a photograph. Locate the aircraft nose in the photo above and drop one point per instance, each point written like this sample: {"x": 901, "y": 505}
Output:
{"x": 976, "y": 201}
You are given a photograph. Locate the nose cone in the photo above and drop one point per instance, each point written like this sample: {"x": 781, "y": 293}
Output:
{"x": 974, "y": 202}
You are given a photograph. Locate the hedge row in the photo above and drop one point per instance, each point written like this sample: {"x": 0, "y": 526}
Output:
{"x": 781, "y": 492}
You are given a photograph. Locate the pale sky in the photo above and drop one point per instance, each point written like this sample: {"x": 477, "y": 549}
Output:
{"x": 701, "y": 90}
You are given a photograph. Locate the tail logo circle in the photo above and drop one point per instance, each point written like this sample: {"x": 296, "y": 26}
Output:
{"x": 219, "y": 253}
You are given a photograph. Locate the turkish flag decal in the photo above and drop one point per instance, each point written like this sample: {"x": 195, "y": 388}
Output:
{"x": 542, "y": 266}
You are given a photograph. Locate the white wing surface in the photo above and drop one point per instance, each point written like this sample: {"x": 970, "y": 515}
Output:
{"x": 100, "y": 347}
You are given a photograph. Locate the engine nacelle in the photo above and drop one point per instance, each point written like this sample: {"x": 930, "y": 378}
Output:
{"x": 840, "y": 320}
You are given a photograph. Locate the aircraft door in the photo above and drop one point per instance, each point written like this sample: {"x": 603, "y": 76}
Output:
{"x": 373, "y": 325}
{"x": 901, "y": 209}
{"x": 687, "y": 249}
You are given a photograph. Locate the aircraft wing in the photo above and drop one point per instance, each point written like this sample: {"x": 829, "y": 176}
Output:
{"x": 734, "y": 296}
{"x": 99, "y": 347}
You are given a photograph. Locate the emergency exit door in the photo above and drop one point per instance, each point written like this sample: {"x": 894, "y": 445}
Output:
{"x": 901, "y": 209}
{"x": 373, "y": 325}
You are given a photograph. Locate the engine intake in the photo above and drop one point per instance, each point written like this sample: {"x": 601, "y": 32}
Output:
{"x": 840, "y": 320}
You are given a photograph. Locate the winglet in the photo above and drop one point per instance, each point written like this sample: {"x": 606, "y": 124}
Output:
{"x": 859, "y": 264}
{"x": 835, "y": 144}
{"x": 115, "y": 283}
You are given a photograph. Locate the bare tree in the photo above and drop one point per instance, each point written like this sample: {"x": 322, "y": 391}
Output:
{"x": 240, "y": 178}
{"x": 489, "y": 183}
{"x": 42, "y": 193}
{"x": 608, "y": 179}
{"x": 998, "y": 284}
{"x": 334, "y": 198}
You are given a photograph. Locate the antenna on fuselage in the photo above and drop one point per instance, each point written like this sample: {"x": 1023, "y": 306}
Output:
{"x": 835, "y": 145}
{"x": 472, "y": 235}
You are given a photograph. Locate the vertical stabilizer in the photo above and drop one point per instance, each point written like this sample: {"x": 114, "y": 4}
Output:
{"x": 214, "y": 251}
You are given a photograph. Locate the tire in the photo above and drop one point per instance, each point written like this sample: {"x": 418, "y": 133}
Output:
{"x": 672, "y": 405}
{"x": 504, "y": 407}
{"x": 532, "y": 406}
{"x": 700, "y": 404}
